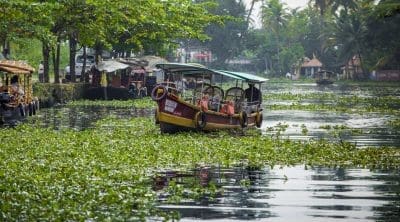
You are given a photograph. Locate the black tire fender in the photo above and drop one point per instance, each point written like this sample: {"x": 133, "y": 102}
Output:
{"x": 30, "y": 109}
{"x": 33, "y": 108}
{"x": 21, "y": 110}
{"x": 200, "y": 119}
{"x": 157, "y": 115}
{"x": 156, "y": 96}
{"x": 243, "y": 119}
{"x": 259, "y": 119}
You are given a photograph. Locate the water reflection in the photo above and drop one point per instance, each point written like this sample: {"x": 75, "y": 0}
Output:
{"x": 290, "y": 194}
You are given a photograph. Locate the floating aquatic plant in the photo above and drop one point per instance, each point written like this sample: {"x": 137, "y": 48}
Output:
{"x": 104, "y": 173}
{"x": 145, "y": 102}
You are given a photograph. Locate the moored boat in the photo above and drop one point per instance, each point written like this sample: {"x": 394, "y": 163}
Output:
{"x": 324, "y": 77}
{"x": 16, "y": 99}
{"x": 190, "y": 99}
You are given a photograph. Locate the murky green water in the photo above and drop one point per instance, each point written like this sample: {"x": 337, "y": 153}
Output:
{"x": 288, "y": 193}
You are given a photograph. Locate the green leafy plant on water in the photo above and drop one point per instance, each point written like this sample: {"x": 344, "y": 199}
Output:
{"x": 395, "y": 124}
{"x": 145, "y": 102}
{"x": 304, "y": 130}
{"x": 104, "y": 173}
{"x": 338, "y": 131}
{"x": 333, "y": 102}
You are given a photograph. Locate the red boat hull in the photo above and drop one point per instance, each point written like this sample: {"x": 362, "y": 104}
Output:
{"x": 174, "y": 114}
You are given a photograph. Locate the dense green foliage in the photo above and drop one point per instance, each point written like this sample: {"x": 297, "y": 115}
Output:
{"x": 121, "y": 26}
{"x": 333, "y": 31}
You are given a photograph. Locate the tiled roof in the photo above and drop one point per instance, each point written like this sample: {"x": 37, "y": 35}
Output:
{"x": 312, "y": 63}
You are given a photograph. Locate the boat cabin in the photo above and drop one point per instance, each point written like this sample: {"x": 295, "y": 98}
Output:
{"x": 324, "y": 77}
{"x": 16, "y": 97}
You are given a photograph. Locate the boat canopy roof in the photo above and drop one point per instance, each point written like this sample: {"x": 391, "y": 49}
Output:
{"x": 198, "y": 70}
{"x": 15, "y": 67}
{"x": 246, "y": 76}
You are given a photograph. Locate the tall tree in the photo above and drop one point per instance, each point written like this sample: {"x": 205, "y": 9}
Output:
{"x": 349, "y": 36}
{"x": 274, "y": 19}
{"x": 383, "y": 24}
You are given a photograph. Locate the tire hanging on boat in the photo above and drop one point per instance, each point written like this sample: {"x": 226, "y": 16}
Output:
{"x": 33, "y": 108}
{"x": 200, "y": 119}
{"x": 243, "y": 119}
{"x": 30, "y": 109}
{"x": 37, "y": 105}
{"x": 21, "y": 110}
{"x": 259, "y": 119}
{"x": 157, "y": 115}
{"x": 156, "y": 95}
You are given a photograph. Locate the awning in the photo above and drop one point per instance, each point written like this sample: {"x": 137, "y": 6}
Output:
{"x": 15, "y": 67}
{"x": 193, "y": 70}
{"x": 111, "y": 66}
{"x": 246, "y": 76}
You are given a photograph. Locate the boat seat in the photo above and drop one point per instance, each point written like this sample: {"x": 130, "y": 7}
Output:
{"x": 216, "y": 95}
{"x": 235, "y": 94}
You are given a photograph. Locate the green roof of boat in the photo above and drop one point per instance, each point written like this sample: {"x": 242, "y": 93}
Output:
{"x": 192, "y": 69}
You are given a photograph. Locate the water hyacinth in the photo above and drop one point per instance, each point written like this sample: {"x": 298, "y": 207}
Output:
{"x": 142, "y": 103}
{"x": 103, "y": 173}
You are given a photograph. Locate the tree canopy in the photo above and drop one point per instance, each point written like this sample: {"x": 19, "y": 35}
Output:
{"x": 332, "y": 30}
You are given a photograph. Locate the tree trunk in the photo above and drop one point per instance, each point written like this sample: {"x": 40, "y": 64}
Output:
{"x": 56, "y": 62}
{"x": 361, "y": 66}
{"x": 72, "y": 53}
{"x": 83, "y": 72}
{"x": 46, "y": 58}
{"x": 6, "y": 48}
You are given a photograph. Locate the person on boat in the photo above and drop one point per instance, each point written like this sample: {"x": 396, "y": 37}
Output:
{"x": 203, "y": 103}
{"x": 15, "y": 91}
{"x": 228, "y": 108}
{"x": 191, "y": 84}
{"x": 252, "y": 94}
{"x": 181, "y": 85}
{"x": 215, "y": 102}
{"x": 132, "y": 90}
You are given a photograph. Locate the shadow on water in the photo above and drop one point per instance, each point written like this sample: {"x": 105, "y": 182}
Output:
{"x": 284, "y": 194}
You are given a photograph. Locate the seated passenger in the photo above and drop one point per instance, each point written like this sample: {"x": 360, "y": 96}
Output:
{"x": 15, "y": 89}
{"x": 228, "y": 108}
{"x": 252, "y": 94}
{"x": 215, "y": 102}
{"x": 203, "y": 103}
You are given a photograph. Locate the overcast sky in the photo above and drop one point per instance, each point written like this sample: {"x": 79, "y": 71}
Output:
{"x": 289, "y": 3}
{"x": 295, "y": 3}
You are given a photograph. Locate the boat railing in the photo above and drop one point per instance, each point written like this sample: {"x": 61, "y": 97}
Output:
{"x": 250, "y": 107}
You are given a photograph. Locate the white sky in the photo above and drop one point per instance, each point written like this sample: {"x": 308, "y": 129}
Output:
{"x": 289, "y": 3}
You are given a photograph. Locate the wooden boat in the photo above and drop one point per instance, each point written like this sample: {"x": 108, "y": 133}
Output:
{"x": 324, "y": 77}
{"x": 16, "y": 99}
{"x": 202, "y": 105}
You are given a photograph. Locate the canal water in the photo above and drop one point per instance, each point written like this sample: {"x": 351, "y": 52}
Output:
{"x": 292, "y": 194}
{"x": 281, "y": 193}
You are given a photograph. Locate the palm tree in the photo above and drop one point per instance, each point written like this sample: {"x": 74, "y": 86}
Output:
{"x": 334, "y": 5}
{"x": 349, "y": 35}
{"x": 274, "y": 18}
